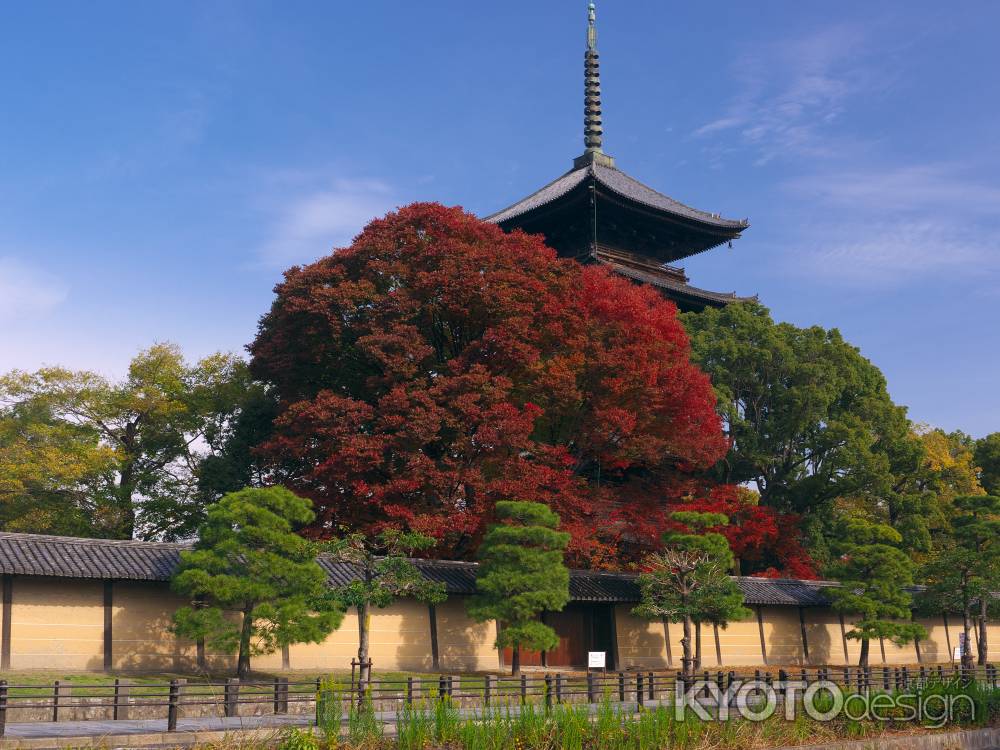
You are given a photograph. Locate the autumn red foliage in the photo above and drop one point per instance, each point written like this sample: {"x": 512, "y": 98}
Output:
{"x": 765, "y": 542}
{"x": 439, "y": 365}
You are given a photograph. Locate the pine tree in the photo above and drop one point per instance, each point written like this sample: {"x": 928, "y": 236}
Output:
{"x": 688, "y": 581}
{"x": 249, "y": 559}
{"x": 965, "y": 571}
{"x": 521, "y": 574}
{"x": 386, "y": 573}
{"x": 874, "y": 574}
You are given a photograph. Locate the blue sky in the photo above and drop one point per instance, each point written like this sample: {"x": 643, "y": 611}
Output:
{"x": 161, "y": 163}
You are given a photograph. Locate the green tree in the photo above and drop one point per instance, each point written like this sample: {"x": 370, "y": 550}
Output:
{"x": 231, "y": 462}
{"x": 521, "y": 574}
{"x": 874, "y": 575}
{"x": 249, "y": 561}
{"x": 49, "y": 472}
{"x": 143, "y": 431}
{"x": 385, "y": 573}
{"x": 965, "y": 572}
{"x": 810, "y": 420}
{"x": 688, "y": 581}
{"x": 987, "y": 454}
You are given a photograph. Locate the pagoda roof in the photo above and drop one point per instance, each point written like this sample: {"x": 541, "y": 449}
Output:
{"x": 676, "y": 288}
{"x": 620, "y": 183}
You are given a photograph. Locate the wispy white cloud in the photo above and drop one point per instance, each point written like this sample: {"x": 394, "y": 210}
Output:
{"x": 886, "y": 227}
{"x": 313, "y": 222}
{"x": 25, "y": 290}
{"x": 792, "y": 92}
{"x": 939, "y": 188}
{"x": 897, "y": 252}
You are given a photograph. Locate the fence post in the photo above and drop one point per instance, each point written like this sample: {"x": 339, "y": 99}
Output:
{"x": 640, "y": 689}
{"x": 281, "y": 695}
{"x": 652, "y": 690}
{"x": 548, "y": 691}
{"x": 55, "y": 701}
{"x": 590, "y": 687}
{"x": 442, "y": 687}
{"x": 621, "y": 687}
{"x": 121, "y": 699}
{"x": 524, "y": 689}
{"x": 3, "y": 707}
{"x": 320, "y": 700}
{"x": 559, "y": 687}
{"x": 488, "y": 689}
{"x": 172, "y": 700}
{"x": 276, "y": 692}
{"x": 231, "y": 693}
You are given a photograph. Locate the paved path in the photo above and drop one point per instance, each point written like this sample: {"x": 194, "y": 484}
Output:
{"x": 38, "y": 729}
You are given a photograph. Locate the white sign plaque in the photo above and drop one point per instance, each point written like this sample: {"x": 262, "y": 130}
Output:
{"x": 596, "y": 659}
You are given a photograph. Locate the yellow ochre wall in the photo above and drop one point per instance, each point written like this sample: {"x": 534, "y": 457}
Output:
{"x": 739, "y": 642}
{"x": 58, "y": 624}
{"x": 641, "y": 643}
{"x": 464, "y": 645}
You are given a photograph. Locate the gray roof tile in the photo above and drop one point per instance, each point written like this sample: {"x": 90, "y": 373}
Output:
{"x": 71, "y": 557}
{"x": 619, "y": 182}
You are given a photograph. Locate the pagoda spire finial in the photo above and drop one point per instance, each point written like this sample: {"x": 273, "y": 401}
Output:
{"x": 593, "y": 132}
{"x": 593, "y": 129}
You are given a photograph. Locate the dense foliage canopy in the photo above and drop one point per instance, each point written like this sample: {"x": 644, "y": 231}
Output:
{"x": 87, "y": 456}
{"x": 438, "y": 365}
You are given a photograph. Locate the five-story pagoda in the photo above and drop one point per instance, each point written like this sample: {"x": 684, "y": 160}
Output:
{"x": 597, "y": 213}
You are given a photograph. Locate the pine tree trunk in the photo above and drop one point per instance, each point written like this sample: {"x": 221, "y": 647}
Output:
{"x": 863, "y": 659}
{"x": 243, "y": 661}
{"x": 697, "y": 646}
{"x": 364, "y": 628}
{"x": 966, "y": 649}
{"x": 515, "y": 660}
{"x": 686, "y": 663}
{"x": 983, "y": 644}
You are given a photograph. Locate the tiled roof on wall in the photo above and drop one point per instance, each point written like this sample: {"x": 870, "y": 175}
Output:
{"x": 71, "y": 557}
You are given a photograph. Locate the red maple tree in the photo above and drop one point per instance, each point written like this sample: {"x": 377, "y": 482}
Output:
{"x": 439, "y": 365}
{"x": 765, "y": 542}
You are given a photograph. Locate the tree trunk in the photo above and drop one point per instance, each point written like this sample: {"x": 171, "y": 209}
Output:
{"x": 243, "y": 661}
{"x": 966, "y": 648}
{"x": 125, "y": 521}
{"x": 697, "y": 646}
{"x": 515, "y": 660}
{"x": 863, "y": 659}
{"x": 364, "y": 626}
{"x": 686, "y": 664}
{"x": 982, "y": 643}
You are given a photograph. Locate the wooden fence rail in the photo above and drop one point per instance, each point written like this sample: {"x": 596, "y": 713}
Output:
{"x": 473, "y": 691}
